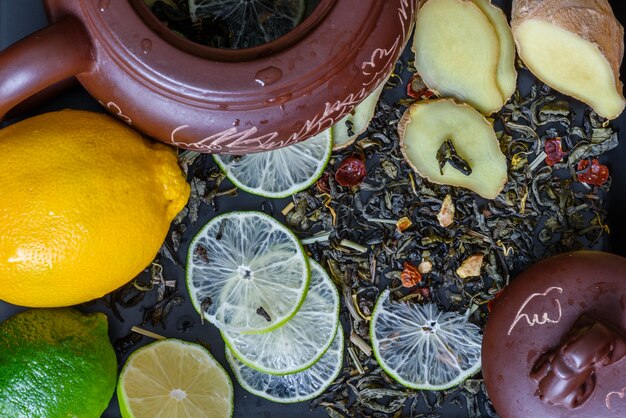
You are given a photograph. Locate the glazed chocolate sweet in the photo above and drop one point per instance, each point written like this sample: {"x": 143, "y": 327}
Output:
{"x": 555, "y": 344}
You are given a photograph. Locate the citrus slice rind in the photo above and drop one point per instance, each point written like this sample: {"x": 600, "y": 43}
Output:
{"x": 299, "y": 343}
{"x": 282, "y": 172}
{"x": 358, "y": 120}
{"x": 246, "y": 272}
{"x": 174, "y": 378}
{"x": 296, "y": 387}
{"x": 422, "y": 347}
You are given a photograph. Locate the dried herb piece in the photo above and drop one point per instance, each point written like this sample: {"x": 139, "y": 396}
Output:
{"x": 262, "y": 312}
{"x": 124, "y": 344}
{"x": 447, "y": 154}
{"x": 204, "y": 306}
{"x": 323, "y": 184}
{"x": 202, "y": 253}
{"x": 220, "y": 231}
{"x": 229, "y": 24}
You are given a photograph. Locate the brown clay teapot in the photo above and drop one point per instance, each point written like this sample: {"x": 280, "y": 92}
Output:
{"x": 207, "y": 99}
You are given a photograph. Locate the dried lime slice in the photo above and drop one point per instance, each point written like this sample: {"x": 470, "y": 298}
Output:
{"x": 282, "y": 172}
{"x": 251, "y": 22}
{"x": 302, "y": 340}
{"x": 246, "y": 272}
{"x": 295, "y": 387}
{"x": 173, "y": 378}
{"x": 422, "y": 347}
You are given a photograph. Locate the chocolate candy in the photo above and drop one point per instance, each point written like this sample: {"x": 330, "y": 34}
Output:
{"x": 555, "y": 344}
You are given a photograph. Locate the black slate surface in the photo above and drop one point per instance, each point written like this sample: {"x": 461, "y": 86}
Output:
{"x": 20, "y": 18}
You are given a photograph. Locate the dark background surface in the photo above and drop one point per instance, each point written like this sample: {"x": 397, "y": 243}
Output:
{"x": 22, "y": 17}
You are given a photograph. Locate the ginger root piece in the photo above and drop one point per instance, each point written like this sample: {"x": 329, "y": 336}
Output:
{"x": 506, "y": 72}
{"x": 457, "y": 52}
{"x": 450, "y": 143}
{"x": 574, "y": 46}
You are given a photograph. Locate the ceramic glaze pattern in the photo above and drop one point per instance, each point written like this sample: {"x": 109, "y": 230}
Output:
{"x": 619, "y": 394}
{"x": 375, "y": 69}
{"x": 122, "y": 55}
{"x": 116, "y": 111}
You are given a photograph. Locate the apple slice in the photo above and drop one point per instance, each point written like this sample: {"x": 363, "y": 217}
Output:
{"x": 575, "y": 47}
{"x": 450, "y": 143}
{"x": 457, "y": 53}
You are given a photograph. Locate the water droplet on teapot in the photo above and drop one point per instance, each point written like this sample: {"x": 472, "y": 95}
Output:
{"x": 103, "y": 5}
{"x": 280, "y": 99}
{"x": 268, "y": 76}
{"x": 146, "y": 45}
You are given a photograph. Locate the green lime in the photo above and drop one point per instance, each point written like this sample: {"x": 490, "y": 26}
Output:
{"x": 174, "y": 379}
{"x": 282, "y": 172}
{"x": 296, "y": 387}
{"x": 246, "y": 272}
{"x": 56, "y": 363}
{"x": 302, "y": 340}
{"x": 250, "y": 22}
{"x": 422, "y": 347}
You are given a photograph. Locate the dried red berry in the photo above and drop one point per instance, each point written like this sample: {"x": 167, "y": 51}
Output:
{"x": 592, "y": 172}
{"x": 554, "y": 151}
{"x": 410, "y": 276}
{"x": 351, "y": 172}
{"x": 416, "y": 88}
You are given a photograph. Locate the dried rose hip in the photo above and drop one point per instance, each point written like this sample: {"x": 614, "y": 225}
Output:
{"x": 351, "y": 172}
{"x": 410, "y": 276}
{"x": 417, "y": 88}
{"x": 554, "y": 151}
{"x": 592, "y": 172}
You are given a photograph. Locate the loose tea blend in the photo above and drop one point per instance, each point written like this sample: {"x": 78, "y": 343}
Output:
{"x": 427, "y": 242}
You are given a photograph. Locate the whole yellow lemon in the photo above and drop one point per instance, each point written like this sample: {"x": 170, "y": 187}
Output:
{"x": 85, "y": 204}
